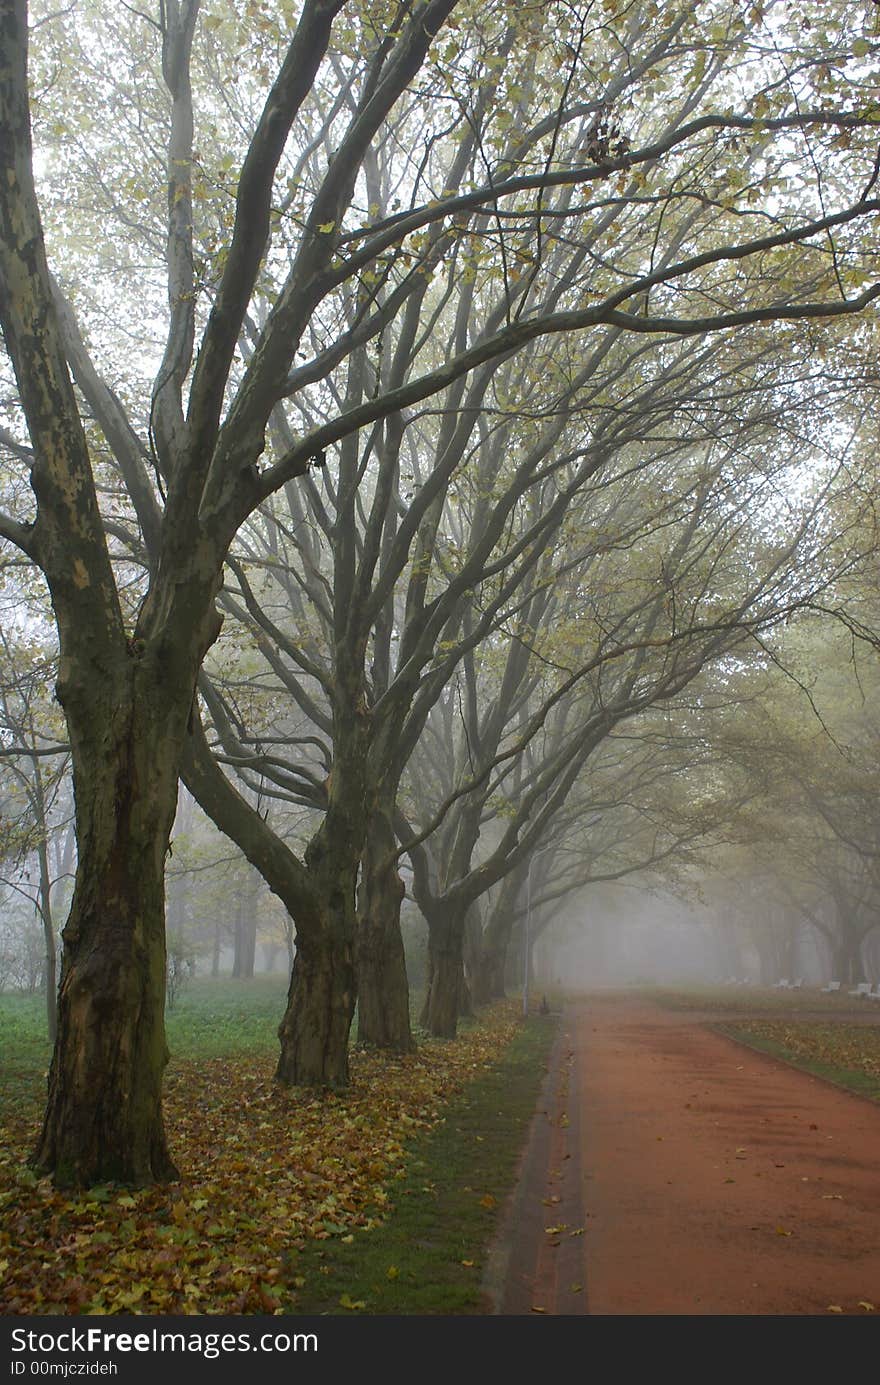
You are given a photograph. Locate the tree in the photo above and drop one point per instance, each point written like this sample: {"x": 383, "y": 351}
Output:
{"x": 314, "y": 270}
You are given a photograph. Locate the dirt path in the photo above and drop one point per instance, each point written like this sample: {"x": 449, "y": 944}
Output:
{"x": 672, "y": 1171}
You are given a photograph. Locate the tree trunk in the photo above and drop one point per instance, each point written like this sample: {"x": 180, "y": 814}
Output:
{"x": 245, "y": 941}
{"x": 488, "y": 978}
{"x": 104, "y": 1115}
{"x": 215, "y": 951}
{"x": 320, "y": 1004}
{"x": 848, "y": 964}
{"x": 383, "y": 985}
{"x": 445, "y": 976}
{"x": 472, "y": 947}
{"x": 323, "y": 989}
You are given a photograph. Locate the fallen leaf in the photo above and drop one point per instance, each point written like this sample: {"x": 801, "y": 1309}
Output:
{"x": 868, "y": 1307}
{"x": 536, "y": 1309}
{"x": 781, "y": 1231}
{"x": 834, "y": 1308}
{"x": 351, "y": 1303}
{"x": 488, "y": 1200}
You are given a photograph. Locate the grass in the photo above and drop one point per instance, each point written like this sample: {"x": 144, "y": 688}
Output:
{"x": 835, "y": 1037}
{"x": 221, "y": 1018}
{"x": 210, "y": 1019}
{"x": 385, "y": 1195}
{"x": 428, "y": 1256}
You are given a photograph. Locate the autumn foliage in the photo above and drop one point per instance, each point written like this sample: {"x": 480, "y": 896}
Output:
{"x": 268, "y": 1171}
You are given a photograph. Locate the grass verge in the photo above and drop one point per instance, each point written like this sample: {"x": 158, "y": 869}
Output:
{"x": 428, "y": 1255}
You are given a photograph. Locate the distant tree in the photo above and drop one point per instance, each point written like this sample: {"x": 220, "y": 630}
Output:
{"x": 36, "y": 843}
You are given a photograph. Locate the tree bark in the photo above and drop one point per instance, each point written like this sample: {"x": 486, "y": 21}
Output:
{"x": 445, "y": 975}
{"x": 383, "y": 985}
{"x": 488, "y": 978}
{"x": 320, "y": 1005}
{"x": 103, "y": 1119}
{"x": 495, "y": 941}
{"x": 315, "y": 1029}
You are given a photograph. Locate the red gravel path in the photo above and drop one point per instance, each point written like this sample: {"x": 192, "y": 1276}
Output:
{"x": 680, "y": 1173}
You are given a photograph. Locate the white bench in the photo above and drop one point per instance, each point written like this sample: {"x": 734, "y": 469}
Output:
{"x": 784, "y": 985}
{"x": 863, "y": 988}
{"x": 832, "y": 986}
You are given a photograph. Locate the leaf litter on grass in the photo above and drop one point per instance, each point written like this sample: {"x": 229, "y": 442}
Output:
{"x": 267, "y": 1170}
{"x": 841, "y": 1047}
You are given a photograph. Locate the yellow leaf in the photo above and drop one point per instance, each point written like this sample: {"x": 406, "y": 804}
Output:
{"x": 392, "y": 1272}
{"x": 834, "y": 1308}
{"x": 868, "y": 1307}
{"x": 536, "y": 1309}
{"x": 469, "y": 1263}
{"x": 487, "y": 1201}
{"x": 346, "y": 1302}
{"x": 326, "y": 227}
{"x": 781, "y": 1231}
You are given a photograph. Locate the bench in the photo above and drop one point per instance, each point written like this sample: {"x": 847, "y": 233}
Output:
{"x": 863, "y": 988}
{"x": 832, "y": 986}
